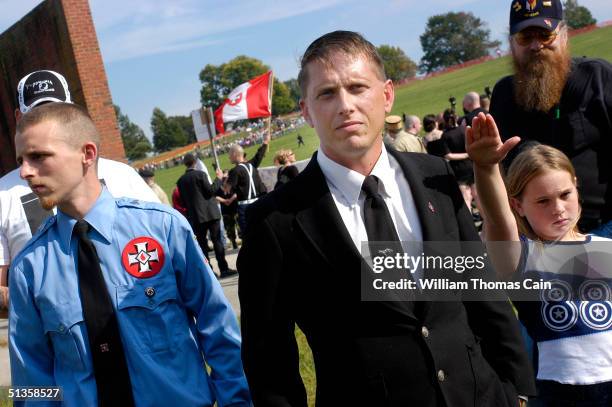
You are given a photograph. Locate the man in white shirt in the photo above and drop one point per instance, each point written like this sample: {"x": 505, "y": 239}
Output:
{"x": 302, "y": 263}
{"x": 20, "y": 209}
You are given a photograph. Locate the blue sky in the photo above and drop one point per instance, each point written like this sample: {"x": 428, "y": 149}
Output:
{"x": 153, "y": 50}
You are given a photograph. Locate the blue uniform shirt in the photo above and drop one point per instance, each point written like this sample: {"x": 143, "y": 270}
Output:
{"x": 172, "y": 314}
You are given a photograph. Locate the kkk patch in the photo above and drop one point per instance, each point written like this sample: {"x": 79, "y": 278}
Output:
{"x": 143, "y": 257}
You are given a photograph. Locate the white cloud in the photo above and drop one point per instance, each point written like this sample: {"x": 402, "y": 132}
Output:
{"x": 141, "y": 28}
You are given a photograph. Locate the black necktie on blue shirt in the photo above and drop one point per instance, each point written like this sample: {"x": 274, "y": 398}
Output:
{"x": 110, "y": 368}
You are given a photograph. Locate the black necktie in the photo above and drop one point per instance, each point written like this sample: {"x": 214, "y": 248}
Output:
{"x": 110, "y": 367}
{"x": 383, "y": 240}
{"x": 377, "y": 219}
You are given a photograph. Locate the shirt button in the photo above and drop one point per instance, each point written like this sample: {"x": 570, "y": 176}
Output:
{"x": 441, "y": 375}
{"x": 425, "y": 332}
{"x": 149, "y": 292}
{"x": 61, "y": 328}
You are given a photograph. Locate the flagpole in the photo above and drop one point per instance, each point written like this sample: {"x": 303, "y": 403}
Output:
{"x": 207, "y": 116}
{"x": 271, "y": 92}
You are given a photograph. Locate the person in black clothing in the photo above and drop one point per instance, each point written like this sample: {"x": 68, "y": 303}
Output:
{"x": 202, "y": 211}
{"x": 451, "y": 146}
{"x": 301, "y": 265}
{"x": 471, "y": 107}
{"x": 453, "y": 138}
{"x": 284, "y": 159}
{"x": 245, "y": 180}
{"x": 556, "y": 100}
{"x": 229, "y": 208}
{"x": 300, "y": 140}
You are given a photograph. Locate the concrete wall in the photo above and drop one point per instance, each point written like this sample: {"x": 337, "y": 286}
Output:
{"x": 57, "y": 35}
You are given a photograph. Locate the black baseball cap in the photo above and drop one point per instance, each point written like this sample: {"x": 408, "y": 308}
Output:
{"x": 41, "y": 87}
{"x": 546, "y": 14}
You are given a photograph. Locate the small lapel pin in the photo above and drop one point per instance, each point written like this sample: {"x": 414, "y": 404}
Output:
{"x": 431, "y": 207}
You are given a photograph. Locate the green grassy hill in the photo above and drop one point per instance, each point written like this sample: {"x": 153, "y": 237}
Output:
{"x": 420, "y": 98}
{"x": 431, "y": 95}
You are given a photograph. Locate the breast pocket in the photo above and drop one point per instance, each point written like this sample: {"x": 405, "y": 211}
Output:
{"x": 151, "y": 312}
{"x": 63, "y": 324}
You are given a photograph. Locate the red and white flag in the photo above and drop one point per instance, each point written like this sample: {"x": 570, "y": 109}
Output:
{"x": 250, "y": 100}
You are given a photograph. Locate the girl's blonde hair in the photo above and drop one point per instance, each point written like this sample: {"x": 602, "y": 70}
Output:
{"x": 529, "y": 163}
{"x": 282, "y": 156}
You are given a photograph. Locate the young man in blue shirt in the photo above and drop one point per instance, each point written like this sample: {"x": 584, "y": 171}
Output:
{"x": 167, "y": 309}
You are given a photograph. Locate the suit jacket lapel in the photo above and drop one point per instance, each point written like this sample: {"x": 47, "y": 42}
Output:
{"x": 424, "y": 200}
{"x": 320, "y": 219}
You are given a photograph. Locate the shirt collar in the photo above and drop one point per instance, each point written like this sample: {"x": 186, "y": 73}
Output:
{"x": 101, "y": 218}
{"x": 349, "y": 182}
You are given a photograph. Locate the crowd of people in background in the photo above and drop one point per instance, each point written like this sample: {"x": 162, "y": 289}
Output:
{"x": 245, "y": 136}
{"x": 442, "y": 134}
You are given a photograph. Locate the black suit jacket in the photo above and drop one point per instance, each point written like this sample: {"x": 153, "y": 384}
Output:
{"x": 299, "y": 265}
{"x": 198, "y": 196}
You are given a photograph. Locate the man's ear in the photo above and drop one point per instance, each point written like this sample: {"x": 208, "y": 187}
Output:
{"x": 90, "y": 153}
{"x": 516, "y": 205}
{"x": 305, "y": 113}
{"x": 18, "y": 115}
{"x": 389, "y": 95}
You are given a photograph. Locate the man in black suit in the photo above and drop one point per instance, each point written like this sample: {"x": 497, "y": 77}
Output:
{"x": 203, "y": 213}
{"x": 301, "y": 263}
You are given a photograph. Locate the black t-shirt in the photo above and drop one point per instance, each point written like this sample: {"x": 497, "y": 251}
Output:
{"x": 437, "y": 147}
{"x": 470, "y": 116}
{"x": 238, "y": 177}
{"x": 230, "y": 209}
{"x": 580, "y": 126}
{"x": 455, "y": 141}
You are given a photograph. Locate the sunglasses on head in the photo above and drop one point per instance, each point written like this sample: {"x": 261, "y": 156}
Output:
{"x": 544, "y": 37}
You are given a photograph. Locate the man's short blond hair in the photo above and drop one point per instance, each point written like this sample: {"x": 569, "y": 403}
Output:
{"x": 77, "y": 128}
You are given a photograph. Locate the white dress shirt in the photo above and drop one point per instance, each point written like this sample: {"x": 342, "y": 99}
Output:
{"x": 345, "y": 186}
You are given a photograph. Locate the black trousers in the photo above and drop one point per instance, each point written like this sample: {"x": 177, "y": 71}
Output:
{"x": 229, "y": 221}
{"x": 214, "y": 227}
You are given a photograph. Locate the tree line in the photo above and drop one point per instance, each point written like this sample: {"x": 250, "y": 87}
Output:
{"x": 449, "y": 39}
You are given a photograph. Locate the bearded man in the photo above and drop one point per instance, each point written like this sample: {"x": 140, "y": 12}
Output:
{"x": 558, "y": 100}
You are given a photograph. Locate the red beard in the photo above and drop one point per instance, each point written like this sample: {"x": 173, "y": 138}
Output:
{"x": 540, "y": 79}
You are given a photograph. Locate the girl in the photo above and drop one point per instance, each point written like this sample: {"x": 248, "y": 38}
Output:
{"x": 540, "y": 209}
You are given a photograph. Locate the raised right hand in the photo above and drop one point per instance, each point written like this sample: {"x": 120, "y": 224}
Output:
{"x": 483, "y": 142}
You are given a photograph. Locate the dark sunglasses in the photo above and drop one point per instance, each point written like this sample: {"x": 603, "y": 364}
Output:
{"x": 544, "y": 37}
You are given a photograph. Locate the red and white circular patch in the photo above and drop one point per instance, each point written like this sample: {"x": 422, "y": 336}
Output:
{"x": 143, "y": 257}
